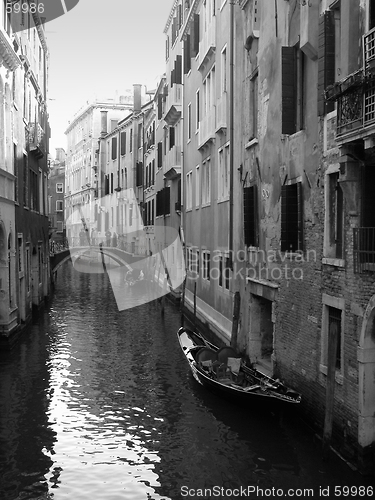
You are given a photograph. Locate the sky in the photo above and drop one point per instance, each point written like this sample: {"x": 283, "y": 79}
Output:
{"x": 99, "y": 48}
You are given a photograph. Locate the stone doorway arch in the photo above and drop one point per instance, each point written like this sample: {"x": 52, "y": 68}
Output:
{"x": 366, "y": 373}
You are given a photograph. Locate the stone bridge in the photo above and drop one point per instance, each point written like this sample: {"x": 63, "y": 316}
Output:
{"x": 57, "y": 259}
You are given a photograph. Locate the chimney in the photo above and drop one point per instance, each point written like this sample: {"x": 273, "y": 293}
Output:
{"x": 60, "y": 154}
{"x": 137, "y": 103}
{"x": 103, "y": 122}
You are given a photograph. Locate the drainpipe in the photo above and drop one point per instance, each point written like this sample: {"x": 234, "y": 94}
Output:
{"x": 231, "y": 122}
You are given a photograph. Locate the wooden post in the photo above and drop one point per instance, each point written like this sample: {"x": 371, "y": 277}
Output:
{"x": 182, "y": 303}
{"x": 195, "y": 304}
{"x": 235, "y": 319}
{"x": 330, "y": 389}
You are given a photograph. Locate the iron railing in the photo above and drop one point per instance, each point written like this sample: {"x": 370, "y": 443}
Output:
{"x": 364, "y": 249}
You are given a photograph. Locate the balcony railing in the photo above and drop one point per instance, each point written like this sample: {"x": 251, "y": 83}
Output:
{"x": 173, "y": 158}
{"x": 208, "y": 43}
{"x": 355, "y": 94}
{"x": 364, "y": 249}
{"x": 221, "y": 112}
{"x": 207, "y": 128}
{"x": 173, "y": 104}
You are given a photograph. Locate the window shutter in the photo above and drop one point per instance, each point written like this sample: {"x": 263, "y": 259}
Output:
{"x": 195, "y": 36}
{"x": 178, "y": 70}
{"x": 187, "y": 56}
{"x": 114, "y": 148}
{"x": 326, "y": 60}
{"x": 171, "y": 137}
{"x": 139, "y": 174}
{"x": 289, "y": 90}
{"x": 160, "y": 154}
{"x": 300, "y": 215}
{"x": 250, "y": 202}
{"x": 291, "y": 217}
{"x": 160, "y": 107}
{"x": 123, "y": 142}
{"x": 167, "y": 200}
{"x": 179, "y": 16}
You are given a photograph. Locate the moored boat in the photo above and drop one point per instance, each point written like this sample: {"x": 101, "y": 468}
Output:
{"x": 223, "y": 371}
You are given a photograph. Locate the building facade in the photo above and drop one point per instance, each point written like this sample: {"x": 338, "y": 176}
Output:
{"x": 283, "y": 219}
{"x": 206, "y": 45}
{"x": 84, "y": 182}
{"x": 56, "y": 193}
{"x": 24, "y": 167}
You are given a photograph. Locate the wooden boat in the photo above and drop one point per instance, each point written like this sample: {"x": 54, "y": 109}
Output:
{"x": 223, "y": 371}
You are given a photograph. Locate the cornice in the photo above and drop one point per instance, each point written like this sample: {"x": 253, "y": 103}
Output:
{"x": 103, "y": 105}
{"x": 8, "y": 57}
{"x": 40, "y": 30}
{"x": 189, "y": 18}
{"x": 242, "y": 3}
{"x": 170, "y": 17}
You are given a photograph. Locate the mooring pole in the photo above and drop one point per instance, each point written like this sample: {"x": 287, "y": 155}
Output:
{"x": 330, "y": 389}
{"x": 195, "y": 304}
{"x": 235, "y": 319}
{"x": 182, "y": 302}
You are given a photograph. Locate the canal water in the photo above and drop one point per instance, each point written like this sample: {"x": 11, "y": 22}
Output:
{"x": 99, "y": 404}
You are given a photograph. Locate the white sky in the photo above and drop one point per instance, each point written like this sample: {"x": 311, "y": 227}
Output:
{"x": 98, "y": 48}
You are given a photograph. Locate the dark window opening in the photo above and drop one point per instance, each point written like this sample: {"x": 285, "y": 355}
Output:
{"x": 250, "y": 202}
{"x": 334, "y": 328}
{"x": 291, "y": 218}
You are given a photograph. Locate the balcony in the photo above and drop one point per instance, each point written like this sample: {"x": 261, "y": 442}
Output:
{"x": 173, "y": 163}
{"x": 207, "y": 45}
{"x": 364, "y": 249}
{"x": 207, "y": 128}
{"x": 36, "y": 140}
{"x": 355, "y": 96}
{"x": 173, "y": 105}
{"x": 221, "y": 112}
{"x": 8, "y": 56}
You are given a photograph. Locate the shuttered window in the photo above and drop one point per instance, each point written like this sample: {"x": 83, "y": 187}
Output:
{"x": 250, "y": 202}
{"x": 139, "y": 174}
{"x": 187, "y": 55}
{"x": 163, "y": 202}
{"x": 291, "y": 217}
{"x": 334, "y": 328}
{"x": 194, "y": 36}
{"x": 326, "y": 60}
{"x": 160, "y": 106}
{"x": 289, "y": 90}
{"x": 123, "y": 142}
{"x": 171, "y": 137}
{"x": 114, "y": 148}
{"x": 160, "y": 154}
{"x": 178, "y": 70}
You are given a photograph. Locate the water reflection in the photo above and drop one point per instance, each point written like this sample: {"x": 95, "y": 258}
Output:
{"x": 99, "y": 404}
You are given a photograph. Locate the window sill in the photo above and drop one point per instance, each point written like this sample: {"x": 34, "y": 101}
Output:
{"x": 339, "y": 377}
{"x": 223, "y": 200}
{"x": 204, "y": 205}
{"x": 251, "y": 143}
{"x": 333, "y": 262}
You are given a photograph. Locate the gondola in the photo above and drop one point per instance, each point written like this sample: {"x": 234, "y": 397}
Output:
{"x": 224, "y": 372}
